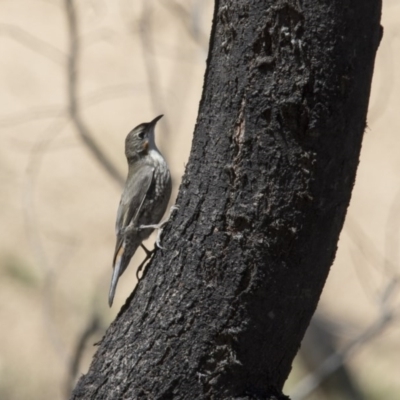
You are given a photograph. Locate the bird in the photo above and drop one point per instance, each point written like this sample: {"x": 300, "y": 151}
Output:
{"x": 144, "y": 199}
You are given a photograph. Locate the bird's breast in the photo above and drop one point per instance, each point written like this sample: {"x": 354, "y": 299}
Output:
{"x": 159, "y": 193}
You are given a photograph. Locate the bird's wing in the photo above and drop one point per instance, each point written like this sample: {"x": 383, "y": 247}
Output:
{"x": 135, "y": 192}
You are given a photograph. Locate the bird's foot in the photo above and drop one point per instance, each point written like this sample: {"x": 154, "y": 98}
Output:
{"x": 160, "y": 227}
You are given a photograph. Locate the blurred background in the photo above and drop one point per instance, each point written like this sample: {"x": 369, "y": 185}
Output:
{"x": 75, "y": 78}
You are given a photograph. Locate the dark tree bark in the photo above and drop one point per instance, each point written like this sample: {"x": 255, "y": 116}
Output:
{"x": 220, "y": 314}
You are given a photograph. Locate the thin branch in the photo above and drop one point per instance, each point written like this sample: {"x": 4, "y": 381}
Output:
{"x": 33, "y": 114}
{"x": 73, "y": 99}
{"x": 308, "y": 384}
{"x": 96, "y": 97}
{"x": 387, "y": 311}
{"x": 99, "y": 35}
{"x": 33, "y": 43}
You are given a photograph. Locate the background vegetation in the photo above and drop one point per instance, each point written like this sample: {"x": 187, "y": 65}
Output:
{"x": 74, "y": 81}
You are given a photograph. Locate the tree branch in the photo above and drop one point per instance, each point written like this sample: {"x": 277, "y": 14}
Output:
{"x": 73, "y": 103}
{"x": 221, "y": 312}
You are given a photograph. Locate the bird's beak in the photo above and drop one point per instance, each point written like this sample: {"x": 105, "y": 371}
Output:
{"x": 153, "y": 123}
{"x": 151, "y": 128}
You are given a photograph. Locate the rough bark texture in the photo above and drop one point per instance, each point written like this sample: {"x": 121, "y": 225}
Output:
{"x": 220, "y": 314}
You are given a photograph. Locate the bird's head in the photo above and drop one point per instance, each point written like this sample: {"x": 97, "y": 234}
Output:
{"x": 140, "y": 140}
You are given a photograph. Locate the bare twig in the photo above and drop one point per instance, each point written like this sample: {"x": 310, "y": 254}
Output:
{"x": 33, "y": 114}
{"x": 96, "y": 97}
{"x": 387, "y": 310}
{"x": 73, "y": 99}
{"x": 99, "y": 35}
{"x": 34, "y": 43}
{"x": 333, "y": 362}
{"x": 319, "y": 342}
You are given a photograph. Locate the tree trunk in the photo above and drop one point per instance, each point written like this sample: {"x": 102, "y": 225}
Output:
{"x": 221, "y": 312}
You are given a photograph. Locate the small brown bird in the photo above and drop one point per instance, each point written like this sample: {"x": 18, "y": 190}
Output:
{"x": 144, "y": 200}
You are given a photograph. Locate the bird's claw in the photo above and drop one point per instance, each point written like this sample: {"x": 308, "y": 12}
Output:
{"x": 158, "y": 241}
{"x": 159, "y": 227}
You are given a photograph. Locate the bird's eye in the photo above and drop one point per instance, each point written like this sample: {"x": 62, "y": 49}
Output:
{"x": 142, "y": 133}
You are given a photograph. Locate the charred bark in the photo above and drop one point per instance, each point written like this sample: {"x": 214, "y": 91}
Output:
{"x": 220, "y": 314}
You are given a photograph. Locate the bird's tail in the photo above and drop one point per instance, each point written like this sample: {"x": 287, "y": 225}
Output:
{"x": 121, "y": 262}
{"x": 114, "y": 280}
